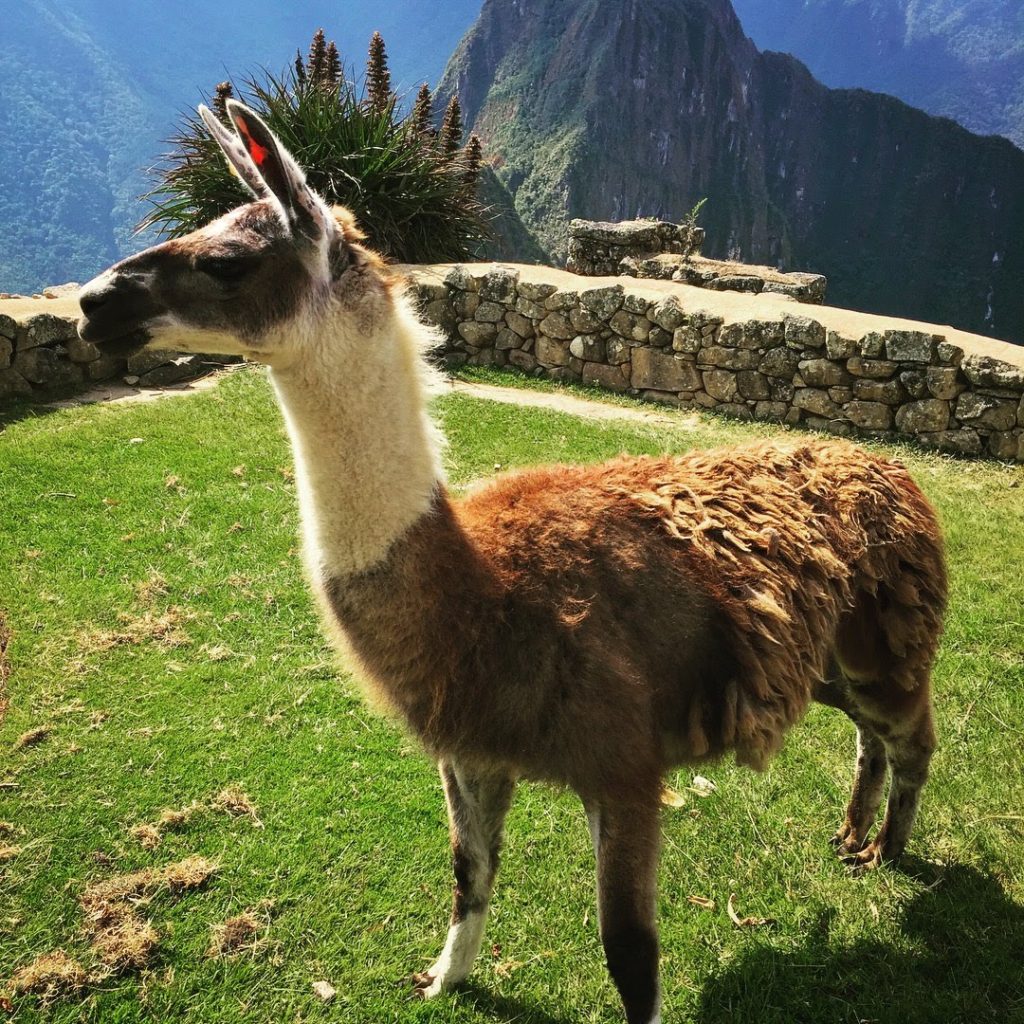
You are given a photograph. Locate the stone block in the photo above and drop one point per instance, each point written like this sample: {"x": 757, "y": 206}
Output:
{"x": 872, "y": 345}
{"x": 662, "y": 371}
{"x": 774, "y": 411}
{"x": 6, "y": 351}
{"x": 915, "y": 382}
{"x": 752, "y": 385}
{"x": 489, "y": 313}
{"x": 520, "y": 324}
{"x": 943, "y": 382}
{"x": 802, "y": 332}
{"x": 720, "y": 384}
{"x": 530, "y": 308}
{"x": 875, "y": 368}
{"x": 603, "y": 302}
{"x": 461, "y": 279}
{"x": 465, "y": 305}
{"x": 587, "y": 347}
{"x": 926, "y": 416}
{"x": 105, "y": 367}
{"x": 949, "y": 354}
{"x": 552, "y": 351}
{"x": 499, "y": 285}
{"x": 729, "y": 358}
{"x": 615, "y": 378}
{"x": 524, "y": 360}
{"x": 507, "y": 339}
{"x": 636, "y": 304}
{"x": 993, "y": 373}
{"x": 535, "y": 292}
{"x": 633, "y": 326}
{"x": 910, "y": 346}
{"x": 47, "y": 329}
{"x": 617, "y": 351}
{"x": 872, "y": 415}
{"x": 817, "y": 402}
{"x": 961, "y": 442}
{"x": 8, "y": 327}
{"x": 822, "y": 373}
{"x": 36, "y": 365}
{"x": 888, "y": 391}
{"x": 583, "y": 320}
{"x": 561, "y": 301}
{"x": 667, "y": 315}
{"x": 480, "y": 335}
{"x": 839, "y": 347}
{"x": 687, "y": 339}
{"x": 177, "y": 370}
{"x": 557, "y": 325}
{"x": 13, "y": 383}
{"x": 992, "y": 413}
{"x": 1002, "y": 444}
{"x": 780, "y": 362}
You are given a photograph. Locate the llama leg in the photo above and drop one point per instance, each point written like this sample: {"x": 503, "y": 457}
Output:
{"x": 477, "y": 805}
{"x": 909, "y": 753}
{"x": 868, "y": 782}
{"x": 626, "y": 842}
{"x": 868, "y": 772}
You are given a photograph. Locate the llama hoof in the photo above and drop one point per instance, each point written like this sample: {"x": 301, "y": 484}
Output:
{"x": 425, "y": 985}
{"x": 847, "y": 843}
{"x": 868, "y": 859}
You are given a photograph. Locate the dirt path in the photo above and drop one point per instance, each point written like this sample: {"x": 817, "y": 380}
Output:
{"x": 571, "y": 404}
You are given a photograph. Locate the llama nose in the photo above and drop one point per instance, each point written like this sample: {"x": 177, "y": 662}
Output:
{"x": 99, "y": 291}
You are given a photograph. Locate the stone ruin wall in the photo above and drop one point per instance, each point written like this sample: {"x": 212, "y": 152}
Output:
{"x": 892, "y": 384}
{"x": 671, "y": 252}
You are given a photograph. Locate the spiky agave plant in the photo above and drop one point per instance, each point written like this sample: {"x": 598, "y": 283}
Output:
{"x": 415, "y": 201}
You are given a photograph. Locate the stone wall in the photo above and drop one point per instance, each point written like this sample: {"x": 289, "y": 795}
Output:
{"x": 597, "y": 248}
{"x": 671, "y": 252}
{"x": 42, "y": 355}
{"x": 784, "y": 367}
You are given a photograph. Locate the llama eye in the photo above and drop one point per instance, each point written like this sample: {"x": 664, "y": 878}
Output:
{"x": 224, "y": 268}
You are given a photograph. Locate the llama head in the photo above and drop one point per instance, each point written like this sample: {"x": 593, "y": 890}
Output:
{"x": 249, "y": 283}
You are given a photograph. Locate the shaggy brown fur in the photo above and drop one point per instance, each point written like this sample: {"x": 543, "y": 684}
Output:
{"x": 674, "y": 607}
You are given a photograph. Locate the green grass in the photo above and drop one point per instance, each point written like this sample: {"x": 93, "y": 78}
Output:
{"x": 350, "y": 869}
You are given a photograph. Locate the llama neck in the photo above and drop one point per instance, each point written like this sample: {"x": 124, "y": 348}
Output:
{"x": 367, "y": 462}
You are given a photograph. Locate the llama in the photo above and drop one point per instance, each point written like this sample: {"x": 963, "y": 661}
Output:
{"x": 591, "y": 626}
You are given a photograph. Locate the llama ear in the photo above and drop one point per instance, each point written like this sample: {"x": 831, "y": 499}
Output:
{"x": 280, "y": 173}
{"x": 237, "y": 155}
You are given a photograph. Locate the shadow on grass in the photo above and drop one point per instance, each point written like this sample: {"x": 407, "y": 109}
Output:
{"x": 967, "y": 964}
{"x": 505, "y": 1008}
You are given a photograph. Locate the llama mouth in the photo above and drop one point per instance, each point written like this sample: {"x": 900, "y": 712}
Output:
{"x": 119, "y": 345}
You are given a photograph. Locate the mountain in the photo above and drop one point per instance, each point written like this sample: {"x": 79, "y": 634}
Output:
{"x": 89, "y": 90}
{"x": 609, "y": 110}
{"x": 962, "y": 59}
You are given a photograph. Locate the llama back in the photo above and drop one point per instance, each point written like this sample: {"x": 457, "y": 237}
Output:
{"x": 780, "y": 542}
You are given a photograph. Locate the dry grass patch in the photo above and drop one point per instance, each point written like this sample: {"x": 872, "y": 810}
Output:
{"x": 8, "y": 852}
{"x": 189, "y": 873}
{"x": 235, "y": 935}
{"x": 33, "y": 736}
{"x": 148, "y": 836}
{"x": 163, "y": 629}
{"x": 50, "y": 976}
{"x": 152, "y": 587}
{"x": 124, "y": 941}
{"x": 234, "y": 801}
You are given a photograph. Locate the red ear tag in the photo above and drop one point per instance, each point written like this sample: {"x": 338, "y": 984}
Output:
{"x": 256, "y": 151}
